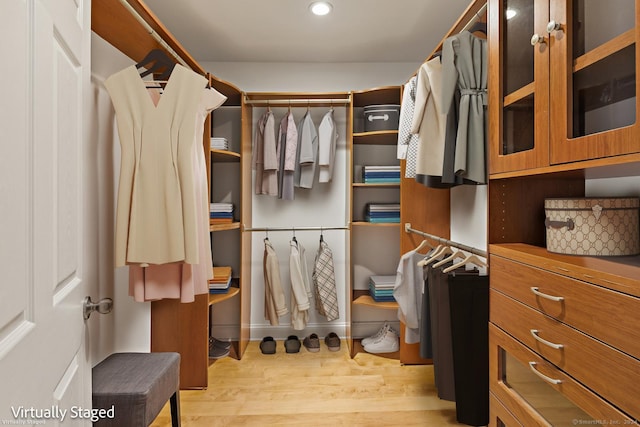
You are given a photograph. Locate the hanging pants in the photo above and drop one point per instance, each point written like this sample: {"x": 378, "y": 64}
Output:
{"x": 469, "y": 309}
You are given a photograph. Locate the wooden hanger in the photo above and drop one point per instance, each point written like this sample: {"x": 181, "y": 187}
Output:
{"x": 424, "y": 244}
{"x": 454, "y": 255}
{"x": 471, "y": 259}
{"x": 438, "y": 252}
{"x": 158, "y": 63}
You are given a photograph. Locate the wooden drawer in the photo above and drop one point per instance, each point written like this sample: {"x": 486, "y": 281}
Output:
{"x": 539, "y": 402}
{"x": 499, "y": 416}
{"x": 591, "y": 362}
{"x": 610, "y": 316}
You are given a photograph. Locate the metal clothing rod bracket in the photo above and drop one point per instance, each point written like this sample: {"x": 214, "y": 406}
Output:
{"x": 342, "y": 227}
{"x": 408, "y": 229}
{"x": 475, "y": 17}
{"x": 153, "y": 33}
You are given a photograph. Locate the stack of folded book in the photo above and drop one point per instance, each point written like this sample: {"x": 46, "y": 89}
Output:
{"x": 381, "y": 288}
{"x": 382, "y": 212}
{"x": 221, "y": 213}
{"x": 221, "y": 280}
{"x": 219, "y": 143}
{"x": 381, "y": 174}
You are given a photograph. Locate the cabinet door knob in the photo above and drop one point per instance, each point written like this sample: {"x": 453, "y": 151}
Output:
{"x": 537, "y": 39}
{"x": 553, "y": 26}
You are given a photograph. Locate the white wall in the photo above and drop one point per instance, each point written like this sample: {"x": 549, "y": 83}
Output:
{"x": 128, "y": 327}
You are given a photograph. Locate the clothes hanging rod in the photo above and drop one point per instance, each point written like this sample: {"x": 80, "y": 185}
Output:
{"x": 408, "y": 229}
{"x": 341, "y": 227}
{"x": 285, "y": 102}
{"x": 475, "y": 17}
{"x": 153, "y": 33}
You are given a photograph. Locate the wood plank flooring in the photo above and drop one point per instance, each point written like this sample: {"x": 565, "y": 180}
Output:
{"x": 313, "y": 389}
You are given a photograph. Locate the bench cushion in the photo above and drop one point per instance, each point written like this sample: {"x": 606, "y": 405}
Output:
{"x": 138, "y": 385}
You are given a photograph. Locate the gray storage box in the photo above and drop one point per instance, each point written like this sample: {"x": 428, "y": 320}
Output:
{"x": 381, "y": 117}
{"x": 606, "y": 226}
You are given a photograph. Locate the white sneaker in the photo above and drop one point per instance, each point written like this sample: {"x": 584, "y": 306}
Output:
{"x": 375, "y": 337}
{"x": 388, "y": 343}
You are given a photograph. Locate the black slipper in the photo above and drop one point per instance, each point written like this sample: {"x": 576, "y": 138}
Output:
{"x": 292, "y": 344}
{"x": 268, "y": 345}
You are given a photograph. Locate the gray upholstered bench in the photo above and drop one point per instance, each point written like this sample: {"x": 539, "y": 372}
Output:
{"x": 136, "y": 386}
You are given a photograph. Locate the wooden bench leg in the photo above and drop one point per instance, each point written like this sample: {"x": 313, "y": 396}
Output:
{"x": 175, "y": 409}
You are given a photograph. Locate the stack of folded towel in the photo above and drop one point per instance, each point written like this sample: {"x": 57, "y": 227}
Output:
{"x": 219, "y": 143}
{"x": 381, "y": 288}
{"x": 221, "y": 213}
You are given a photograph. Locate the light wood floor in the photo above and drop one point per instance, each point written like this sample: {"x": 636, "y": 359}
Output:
{"x": 313, "y": 389}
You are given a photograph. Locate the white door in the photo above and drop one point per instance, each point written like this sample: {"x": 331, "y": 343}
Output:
{"x": 45, "y": 235}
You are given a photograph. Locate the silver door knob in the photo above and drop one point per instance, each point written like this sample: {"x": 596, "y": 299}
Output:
{"x": 553, "y": 26}
{"x": 103, "y": 306}
{"x": 537, "y": 39}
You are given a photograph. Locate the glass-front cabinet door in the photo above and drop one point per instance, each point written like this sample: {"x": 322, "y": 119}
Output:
{"x": 593, "y": 79}
{"x": 518, "y": 85}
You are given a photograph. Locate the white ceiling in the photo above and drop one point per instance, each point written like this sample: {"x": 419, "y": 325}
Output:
{"x": 286, "y": 31}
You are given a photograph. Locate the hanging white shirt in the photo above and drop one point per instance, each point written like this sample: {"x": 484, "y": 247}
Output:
{"x": 408, "y": 294}
{"x": 327, "y": 138}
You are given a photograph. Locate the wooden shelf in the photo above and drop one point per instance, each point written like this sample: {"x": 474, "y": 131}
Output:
{"x": 359, "y": 348}
{"x": 380, "y": 137}
{"x": 381, "y": 95}
{"x": 365, "y": 185}
{"x": 218, "y": 298}
{"x": 605, "y": 50}
{"x": 375, "y": 224}
{"x": 224, "y": 156}
{"x": 519, "y": 94}
{"x": 224, "y": 227}
{"x": 368, "y": 301}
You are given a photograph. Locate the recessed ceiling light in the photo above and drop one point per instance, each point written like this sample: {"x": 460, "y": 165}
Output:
{"x": 510, "y": 13}
{"x": 320, "y": 8}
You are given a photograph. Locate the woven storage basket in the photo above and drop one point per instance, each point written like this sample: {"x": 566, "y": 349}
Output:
{"x": 598, "y": 227}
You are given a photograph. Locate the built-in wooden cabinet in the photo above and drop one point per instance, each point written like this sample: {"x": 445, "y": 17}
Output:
{"x": 563, "y": 113}
{"x": 563, "y": 82}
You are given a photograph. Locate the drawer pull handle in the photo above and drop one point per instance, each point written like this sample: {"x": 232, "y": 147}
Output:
{"x": 549, "y": 297}
{"x": 534, "y": 332}
{"x": 550, "y": 380}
